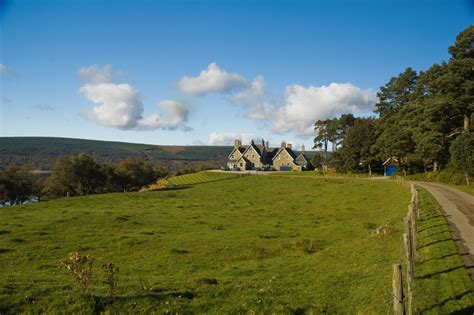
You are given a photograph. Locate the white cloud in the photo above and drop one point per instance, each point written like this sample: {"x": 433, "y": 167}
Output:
{"x": 256, "y": 100}
{"x": 227, "y": 138}
{"x": 296, "y": 111}
{"x": 302, "y": 106}
{"x": 213, "y": 79}
{"x": 96, "y": 74}
{"x": 177, "y": 115}
{"x": 118, "y": 105}
{"x": 305, "y": 105}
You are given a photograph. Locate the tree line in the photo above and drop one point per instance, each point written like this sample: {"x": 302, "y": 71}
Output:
{"x": 76, "y": 175}
{"x": 422, "y": 118}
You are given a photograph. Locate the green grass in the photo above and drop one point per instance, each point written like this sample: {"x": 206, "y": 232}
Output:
{"x": 466, "y": 189}
{"x": 252, "y": 243}
{"x": 442, "y": 283}
{"x": 201, "y": 177}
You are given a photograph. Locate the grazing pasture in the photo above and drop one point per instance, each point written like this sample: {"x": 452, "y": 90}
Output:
{"x": 248, "y": 243}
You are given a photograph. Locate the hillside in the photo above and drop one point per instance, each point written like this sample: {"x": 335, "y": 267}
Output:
{"x": 42, "y": 152}
{"x": 221, "y": 247}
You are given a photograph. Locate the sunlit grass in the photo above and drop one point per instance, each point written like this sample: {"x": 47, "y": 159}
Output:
{"x": 252, "y": 243}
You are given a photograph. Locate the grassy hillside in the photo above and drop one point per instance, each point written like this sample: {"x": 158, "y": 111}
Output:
{"x": 42, "y": 152}
{"x": 250, "y": 243}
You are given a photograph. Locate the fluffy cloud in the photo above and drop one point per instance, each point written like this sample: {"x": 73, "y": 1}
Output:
{"x": 302, "y": 106}
{"x": 118, "y": 105}
{"x": 294, "y": 111}
{"x": 96, "y": 74}
{"x": 227, "y": 138}
{"x": 257, "y": 102}
{"x": 213, "y": 79}
{"x": 176, "y": 116}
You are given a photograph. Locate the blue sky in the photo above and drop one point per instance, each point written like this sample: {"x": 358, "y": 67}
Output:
{"x": 205, "y": 72}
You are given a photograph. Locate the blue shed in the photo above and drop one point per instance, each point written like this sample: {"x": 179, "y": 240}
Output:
{"x": 390, "y": 166}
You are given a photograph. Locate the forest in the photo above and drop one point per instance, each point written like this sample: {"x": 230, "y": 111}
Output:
{"x": 424, "y": 119}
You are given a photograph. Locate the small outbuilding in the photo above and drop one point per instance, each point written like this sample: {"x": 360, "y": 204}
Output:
{"x": 390, "y": 166}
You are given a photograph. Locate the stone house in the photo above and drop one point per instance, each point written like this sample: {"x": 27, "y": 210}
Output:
{"x": 262, "y": 157}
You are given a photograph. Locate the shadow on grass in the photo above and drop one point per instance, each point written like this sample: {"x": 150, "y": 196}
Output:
{"x": 212, "y": 181}
{"x": 467, "y": 310}
{"x": 432, "y": 274}
{"x": 434, "y": 242}
{"x": 441, "y": 257}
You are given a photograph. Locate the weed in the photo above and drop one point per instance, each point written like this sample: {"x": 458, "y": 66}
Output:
{"x": 80, "y": 268}
{"x": 111, "y": 278}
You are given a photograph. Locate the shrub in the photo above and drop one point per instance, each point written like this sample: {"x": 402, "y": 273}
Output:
{"x": 161, "y": 184}
{"x": 80, "y": 268}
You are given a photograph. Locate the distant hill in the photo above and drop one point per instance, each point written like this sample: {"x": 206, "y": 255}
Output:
{"x": 42, "y": 152}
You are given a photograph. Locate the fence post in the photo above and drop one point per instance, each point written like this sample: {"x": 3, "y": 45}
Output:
{"x": 413, "y": 227}
{"x": 409, "y": 251}
{"x": 397, "y": 290}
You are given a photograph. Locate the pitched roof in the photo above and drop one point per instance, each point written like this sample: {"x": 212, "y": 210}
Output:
{"x": 243, "y": 158}
{"x": 240, "y": 149}
{"x": 302, "y": 160}
{"x": 290, "y": 152}
{"x": 255, "y": 147}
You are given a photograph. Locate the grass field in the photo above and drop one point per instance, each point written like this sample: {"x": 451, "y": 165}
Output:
{"x": 442, "y": 283}
{"x": 252, "y": 243}
{"x": 466, "y": 189}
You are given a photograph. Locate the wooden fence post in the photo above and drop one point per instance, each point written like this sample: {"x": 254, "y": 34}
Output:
{"x": 412, "y": 230}
{"x": 409, "y": 251}
{"x": 397, "y": 290}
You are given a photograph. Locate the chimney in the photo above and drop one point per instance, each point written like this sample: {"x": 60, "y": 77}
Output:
{"x": 466, "y": 123}
{"x": 266, "y": 145}
{"x": 302, "y": 148}
{"x": 289, "y": 146}
{"x": 283, "y": 144}
{"x": 263, "y": 143}
{"x": 237, "y": 144}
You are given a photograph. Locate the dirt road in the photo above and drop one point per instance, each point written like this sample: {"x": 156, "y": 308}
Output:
{"x": 458, "y": 207}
